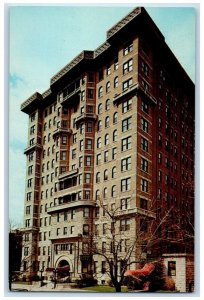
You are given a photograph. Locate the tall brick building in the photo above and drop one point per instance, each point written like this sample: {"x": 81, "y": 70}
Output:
{"x": 117, "y": 125}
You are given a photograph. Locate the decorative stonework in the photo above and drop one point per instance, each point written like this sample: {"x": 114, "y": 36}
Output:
{"x": 123, "y": 22}
{"x": 83, "y": 55}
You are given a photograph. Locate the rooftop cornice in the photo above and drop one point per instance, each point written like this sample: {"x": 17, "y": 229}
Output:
{"x": 122, "y": 23}
{"x": 101, "y": 49}
{"x": 86, "y": 54}
{"x": 36, "y": 98}
{"x": 47, "y": 93}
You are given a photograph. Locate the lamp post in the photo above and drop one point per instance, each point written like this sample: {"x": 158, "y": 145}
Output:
{"x": 41, "y": 278}
{"x": 55, "y": 277}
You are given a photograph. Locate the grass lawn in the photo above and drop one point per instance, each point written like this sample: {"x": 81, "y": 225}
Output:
{"x": 103, "y": 289}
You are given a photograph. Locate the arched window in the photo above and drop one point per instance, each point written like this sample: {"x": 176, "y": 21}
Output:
{"x": 97, "y": 194}
{"x": 53, "y": 149}
{"x": 48, "y": 165}
{"x": 99, "y": 125}
{"x": 106, "y": 140}
{"x": 115, "y": 135}
{"x": 49, "y": 137}
{"x": 114, "y": 172}
{"x": 54, "y": 120}
{"x": 115, "y": 118}
{"x": 107, "y": 104}
{"x": 107, "y": 122}
{"x": 108, "y": 87}
{"x": 116, "y": 82}
{"x": 42, "y": 195}
{"x": 100, "y": 92}
{"x": 100, "y": 108}
{"x": 113, "y": 191}
{"x": 44, "y": 153}
{"x": 43, "y": 168}
{"x": 52, "y": 164}
{"x": 45, "y": 126}
{"x": 46, "y": 207}
{"x": 98, "y": 177}
{"x": 51, "y": 192}
{"x": 105, "y": 192}
{"x": 106, "y": 174}
{"x": 48, "y": 151}
{"x": 99, "y": 142}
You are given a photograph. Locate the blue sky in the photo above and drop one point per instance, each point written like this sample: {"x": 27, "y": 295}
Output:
{"x": 45, "y": 38}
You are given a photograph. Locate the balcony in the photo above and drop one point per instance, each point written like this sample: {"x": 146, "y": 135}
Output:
{"x": 32, "y": 148}
{"x": 75, "y": 93}
{"x": 70, "y": 204}
{"x": 61, "y": 130}
{"x": 68, "y": 174}
{"x": 89, "y": 116}
{"x": 68, "y": 191}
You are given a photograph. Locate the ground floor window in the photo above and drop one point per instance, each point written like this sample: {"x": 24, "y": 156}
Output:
{"x": 171, "y": 268}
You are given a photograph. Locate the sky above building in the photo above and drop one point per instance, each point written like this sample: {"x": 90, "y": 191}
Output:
{"x": 43, "y": 39}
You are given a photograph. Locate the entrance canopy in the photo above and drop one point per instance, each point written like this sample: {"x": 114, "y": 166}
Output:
{"x": 145, "y": 271}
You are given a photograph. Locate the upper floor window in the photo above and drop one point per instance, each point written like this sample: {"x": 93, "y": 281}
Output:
{"x": 116, "y": 82}
{"x": 115, "y": 135}
{"x": 106, "y": 140}
{"x": 126, "y": 143}
{"x": 114, "y": 172}
{"x": 126, "y": 124}
{"x": 99, "y": 142}
{"x": 127, "y": 83}
{"x": 108, "y": 87}
{"x": 99, "y": 125}
{"x": 145, "y": 107}
{"x": 100, "y": 108}
{"x": 126, "y": 105}
{"x": 100, "y": 74}
{"x": 107, "y": 104}
{"x": 107, "y": 122}
{"x": 145, "y": 68}
{"x": 144, "y": 125}
{"x": 127, "y": 66}
{"x": 108, "y": 70}
{"x": 125, "y": 184}
{"x": 115, "y": 117}
{"x": 128, "y": 47}
{"x": 100, "y": 92}
{"x": 116, "y": 63}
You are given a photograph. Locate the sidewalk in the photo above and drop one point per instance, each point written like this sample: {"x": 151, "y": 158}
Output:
{"x": 45, "y": 288}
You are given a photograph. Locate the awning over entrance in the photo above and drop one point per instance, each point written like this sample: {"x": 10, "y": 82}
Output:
{"x": 145, "y": 271}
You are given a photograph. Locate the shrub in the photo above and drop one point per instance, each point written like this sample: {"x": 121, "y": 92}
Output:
{"x": 169, "y": 284}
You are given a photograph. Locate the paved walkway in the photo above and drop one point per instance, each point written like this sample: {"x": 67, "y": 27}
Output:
{"x": 45, "y": 288}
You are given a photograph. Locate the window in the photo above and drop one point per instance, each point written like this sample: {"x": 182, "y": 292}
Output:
{"x": 126, "y": 143}
{"x": 125, "y": 203}
{"x": 105, "y": 191}
{"x": 126, "y": 124}
{"x": 85, "y": 229}
{"x": 124, "y": 225}
{"x": 143, "y": 203}
{"x": 73, "y": 153}
{"x": 64, "y": 140}
{"x": 98, "y": 143}
{"x": 107, "y": 104}
{"x": 86, "y": 212}
{"x": 159, "y": 176}
{"x": 29, "y": 184}
{"x": 126, "y": 164}
{"x": 104, "y": 247}
{"x": 114, "y": 172}
{"x": 106, "y": 139}
{"x": 115, "y": 118}
{"x": 28, "y": 197}
{"x": 99, "y": 125}
{"x": 144, "y": 165}
{"x": 89, "y": 144}
{"x": 90, "y": 93}
{"x": 89, "y": 127}
{"x": 106, "y": 174}
{"x": 127, "y": 66}
{"x": 114, "y": 153}
{"x": 81, "y": 145}
{"x": 127, "y": 84}
{"x": 32, "y": 117}
{"x": 82, "y": 96}
{"x": 88, "y": 161}
{"x": 116, "y": 63}
{"x": 144, "y": 68}
{"x": 100, "y": 92}
{"x": 87, "y": 177}
{"x": 113, "y": 191}
{"x": 125, "y": 184}
{"x": 98, "y": 177}
{"x": 116, "y": 82}
{"x": 63, "y": 155}
{"x": 126, "y": 106}
{"x": 144, "y": 185}
{"x": 115, "y": 135}
{"x": 145, "y": 107}
{"x": 26, "y": 251}
{"x": 108, "y": 70}
{"x": 97, "y": 195}
{"x": 107, "y": 122}
{"x": 144, "y": 125}
{"x": 144, "y": 144}
{"x": 53, "y": 149}
{"x": 32, "y": 129}
{"x": 128, "y": 47}
{"x": 30, "y": 156}
{"x": 108, "y": 87}
{"x": 28, "y": 210}
{"x": 105, "y": 156}
{"x": 57, "y": 156}
{"x": 171, "y": 268}
{"x": 27, "y": 223}
{"x": 98, "y": 159}
{"x": 87, "y": 195}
